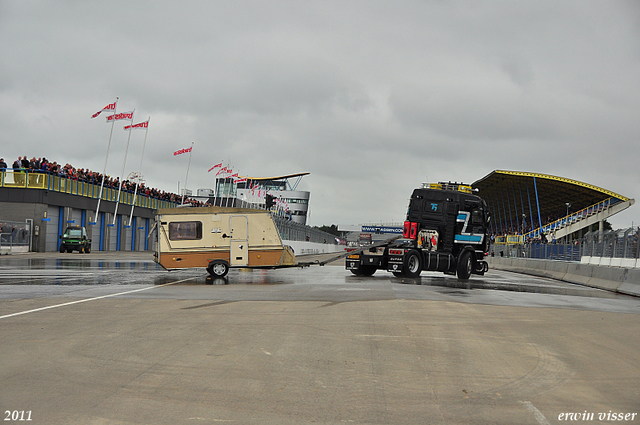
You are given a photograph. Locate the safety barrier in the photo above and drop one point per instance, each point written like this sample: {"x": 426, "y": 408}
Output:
{"x": 617, "y": 279}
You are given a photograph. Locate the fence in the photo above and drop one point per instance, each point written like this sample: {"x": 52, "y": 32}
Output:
{"x": 292, "y": 231}
{"x": 613, "y": 244}
{"x": 15, "y": 236}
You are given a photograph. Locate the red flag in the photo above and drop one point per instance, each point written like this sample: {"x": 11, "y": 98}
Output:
{"x": 140, "y": 125}
{"x": 215, "y": 166}
{"x": 181, "y": 151}
{"x": 240, "y": 180}
{"x": 109, "y": 107}
{"x": 120, "y": 116}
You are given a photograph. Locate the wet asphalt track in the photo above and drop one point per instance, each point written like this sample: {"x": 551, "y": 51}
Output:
{"x": 110, "y": 338}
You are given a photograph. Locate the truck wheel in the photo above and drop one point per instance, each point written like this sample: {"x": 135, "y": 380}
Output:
{"x": 412, "y": 264}
{"x": 62, "y": 249}
{"x": 218, "y": 268}
{"x": 464, "y": 266}
{"x": 87, "y": 249}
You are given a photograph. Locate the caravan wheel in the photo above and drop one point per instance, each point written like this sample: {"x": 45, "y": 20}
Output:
{"x": 218, "y": 268}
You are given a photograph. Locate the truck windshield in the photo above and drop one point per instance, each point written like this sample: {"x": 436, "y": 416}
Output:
{"x": 73, "y": 233}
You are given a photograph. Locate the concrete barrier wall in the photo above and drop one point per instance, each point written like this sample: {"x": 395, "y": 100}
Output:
{"x": 618, "y": 279}
{"x": 627, "y": 263}
{"x": 303, "y": 248}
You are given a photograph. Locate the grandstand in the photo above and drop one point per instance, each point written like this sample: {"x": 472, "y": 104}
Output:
{"x": 533, "y": 205}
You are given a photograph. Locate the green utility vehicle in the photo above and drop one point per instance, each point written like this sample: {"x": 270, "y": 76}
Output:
{"x": 75, "y": 238}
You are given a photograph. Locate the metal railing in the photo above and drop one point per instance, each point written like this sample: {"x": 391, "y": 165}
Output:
{"x": 572, "y": 218}
{"x": 28, "y": 179}
{"x": 292, "y": 231}
{"x": 614, "y": 244}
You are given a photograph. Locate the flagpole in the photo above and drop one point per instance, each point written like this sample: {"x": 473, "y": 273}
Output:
{"x": 187, "y": 176}
{"x": 224, "y": 189}
{"x": 104, "y": 172}
{"x": 126, "y": 151}
{"x": 229, "y": 187}
{"x": 220, "y": 188}
{"x": 215, "y": 186}
{"x": 215, "y": 189}
{"x": 135, "y": 192}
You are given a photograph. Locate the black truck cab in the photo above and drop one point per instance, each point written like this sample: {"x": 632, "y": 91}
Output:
{"x": 446, "y": 230}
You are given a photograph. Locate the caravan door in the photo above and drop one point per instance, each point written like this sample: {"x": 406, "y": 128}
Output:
{"x": 239, "y": 225}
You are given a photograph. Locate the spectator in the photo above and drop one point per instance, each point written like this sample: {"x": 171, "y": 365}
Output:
{"x": 42, "y": 165}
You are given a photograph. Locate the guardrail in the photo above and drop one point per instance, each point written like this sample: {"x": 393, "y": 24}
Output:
{"x": 620, "y": 248}
{"x": 27, "y": 179}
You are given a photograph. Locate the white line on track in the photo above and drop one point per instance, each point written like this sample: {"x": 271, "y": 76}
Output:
{"x": 536, "y": 413}
{"x": 92, "y": 299}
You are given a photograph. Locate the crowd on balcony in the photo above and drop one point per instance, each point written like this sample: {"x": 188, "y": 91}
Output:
{"x": 42, "y": 165}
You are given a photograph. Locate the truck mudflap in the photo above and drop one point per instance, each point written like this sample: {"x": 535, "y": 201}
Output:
{"x": 352, "y": 262}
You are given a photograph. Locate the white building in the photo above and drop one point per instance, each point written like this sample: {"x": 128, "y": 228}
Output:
{"x": 251, "y": 192}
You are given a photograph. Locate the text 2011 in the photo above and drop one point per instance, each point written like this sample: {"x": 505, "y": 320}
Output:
{"x": 17, "y": 415}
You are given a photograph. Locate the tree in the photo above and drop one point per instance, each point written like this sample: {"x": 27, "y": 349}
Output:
{"x": 333, "y": 229}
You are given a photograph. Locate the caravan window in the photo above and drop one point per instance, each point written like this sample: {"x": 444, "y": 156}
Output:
{"x": 185, "y": 230}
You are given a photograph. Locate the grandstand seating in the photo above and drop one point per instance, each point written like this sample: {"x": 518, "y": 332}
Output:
{"x": 580, "y": 219}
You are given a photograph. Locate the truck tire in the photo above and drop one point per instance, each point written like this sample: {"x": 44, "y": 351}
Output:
{"x": 412, "y": 264}
{"x": 218, "y": 268}
{"x": 87, "y": 249}
{"x": 465, "y": 264}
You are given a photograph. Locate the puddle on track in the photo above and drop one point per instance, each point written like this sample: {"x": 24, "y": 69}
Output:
{"x": 453, "y": 286}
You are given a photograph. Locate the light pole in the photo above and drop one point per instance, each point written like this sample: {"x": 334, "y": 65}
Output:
{"x": 568, "y": 204}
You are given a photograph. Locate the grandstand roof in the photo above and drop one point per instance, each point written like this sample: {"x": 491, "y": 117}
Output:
{"x": 510, "y": 192}
{"x": 288, "y": 176}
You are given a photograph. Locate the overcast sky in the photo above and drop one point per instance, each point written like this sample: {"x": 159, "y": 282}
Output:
{"x": 370, "y": 97}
